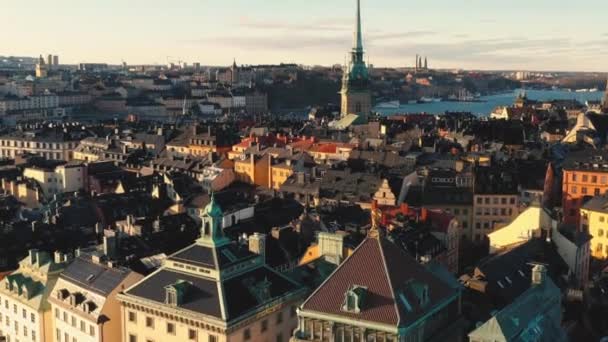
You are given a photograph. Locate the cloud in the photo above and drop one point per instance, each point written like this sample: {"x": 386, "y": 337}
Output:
{"x": 400, "y": 35}
{"x": 328, "y": 24}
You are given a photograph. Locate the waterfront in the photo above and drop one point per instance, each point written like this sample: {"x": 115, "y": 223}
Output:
{"x": 488, "y": 103}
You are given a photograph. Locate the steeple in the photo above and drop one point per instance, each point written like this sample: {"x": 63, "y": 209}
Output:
{"x": 358, "y": 40}
{"x": 212, "y": 234}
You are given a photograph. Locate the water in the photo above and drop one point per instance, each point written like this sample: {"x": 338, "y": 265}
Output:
{"x": 488, "y": 103}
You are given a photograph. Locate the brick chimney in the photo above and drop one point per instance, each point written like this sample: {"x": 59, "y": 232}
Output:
{"x": 424, "y": 213}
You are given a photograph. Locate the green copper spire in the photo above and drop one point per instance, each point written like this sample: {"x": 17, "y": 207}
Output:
{"x": 358, "y": 43}
{"x": 358, "y": 72}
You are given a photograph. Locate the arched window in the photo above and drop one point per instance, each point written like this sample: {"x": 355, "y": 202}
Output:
{"x": 207, "y": 230}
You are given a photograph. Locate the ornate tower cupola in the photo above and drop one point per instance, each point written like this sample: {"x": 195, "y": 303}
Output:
{"x": 212, "y": 234}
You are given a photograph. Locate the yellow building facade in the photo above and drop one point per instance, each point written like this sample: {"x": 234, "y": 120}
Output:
{"x": 594, "y": 220}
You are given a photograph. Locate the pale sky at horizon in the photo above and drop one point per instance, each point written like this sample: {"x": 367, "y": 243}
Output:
{"x": 469, "y": 34}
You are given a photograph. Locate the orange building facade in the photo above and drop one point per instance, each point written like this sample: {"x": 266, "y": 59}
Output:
{"x": 581, "y": 182}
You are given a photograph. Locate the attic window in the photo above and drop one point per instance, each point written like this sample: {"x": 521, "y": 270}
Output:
{"x": 354, "y": 299}
{"x": 175, "y": 293}
{"x": 171, "y": 298}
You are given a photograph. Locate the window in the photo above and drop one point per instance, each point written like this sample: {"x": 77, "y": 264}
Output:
{"x": 280, "y": 318}
{"x": 149, "y": 322}
{"x": 585, "y": 178}
{"x": 600, "y": 232}
{"x": 593, "y": 179}
{"x": 24, "y": 313}
{"x": 132, "y": 316}
{"x": 477, "y": 225}
{"x": 479, "y": 200}
{"x": 599, "y": 248}
{"x": 171, "y": 328}
{"x": 83, "y": 326}
{"x": 280, "y": 337}
{"x": 602, "y": 219}
{"x": 264, "y": 325}
{"x": 584, "y": 190}
{"x": 192, "y": 334}
{"x": 512, "y": 201}
{"x": 503, "y": 200}
{"x": 596, "y": 192}
{"x": 212, "y": 338}
{"x": 246, "y": 334}
{"x": 73, "y": 321}
{"x": 603, "y": 179}
{"x": 132, "y": 338}
{"x": 92, "y": 330}
{"x": 33, "y": 318}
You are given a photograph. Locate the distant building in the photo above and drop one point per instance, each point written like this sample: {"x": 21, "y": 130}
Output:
{"x": 605, "y": 99}
{"x": 585, "y": 175}
{"x": 356, "y": 93}
{"x": 594, "y": 215}
{"x": 55, "y": 60}
{"x": 50, "y": 144}
{"x": 41, "y": 68}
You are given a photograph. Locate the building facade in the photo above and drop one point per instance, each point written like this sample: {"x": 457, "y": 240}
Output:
{"x": 25, "y": 313}
{"x": 83, "y": 301}
{"x": 585, "y": 175}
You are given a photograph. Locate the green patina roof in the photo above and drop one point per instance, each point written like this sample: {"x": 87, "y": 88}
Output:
{"x": 213, "y": 209}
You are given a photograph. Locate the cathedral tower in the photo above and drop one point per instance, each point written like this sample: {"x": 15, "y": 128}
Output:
{"x": 356, "y": 93}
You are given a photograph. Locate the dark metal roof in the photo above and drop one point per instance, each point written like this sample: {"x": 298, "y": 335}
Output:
{"x": 94, "y": 277}
{"x": 202, "y": 296}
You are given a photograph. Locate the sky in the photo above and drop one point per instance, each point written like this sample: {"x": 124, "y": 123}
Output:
{"x": 559, "y": 35}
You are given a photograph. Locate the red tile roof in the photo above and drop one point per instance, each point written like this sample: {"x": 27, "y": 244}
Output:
{"x": 387, "y": 272}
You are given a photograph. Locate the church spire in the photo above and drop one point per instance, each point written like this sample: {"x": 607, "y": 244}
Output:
{"x": 358, "y": 40}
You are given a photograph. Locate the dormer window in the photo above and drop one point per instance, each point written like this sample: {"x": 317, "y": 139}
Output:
{"x": 354, "y": 299}
{"x": 62, "y": 294}
{"x": 176, "y": 293}
{"x": 25, "y": 292}
{"x": 171, "y": 297}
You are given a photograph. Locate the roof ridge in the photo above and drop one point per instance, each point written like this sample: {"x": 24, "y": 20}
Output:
{"x": 390, "y": 281}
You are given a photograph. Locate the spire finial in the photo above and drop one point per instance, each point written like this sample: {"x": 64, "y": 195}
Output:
{"x": 358, "y": 35}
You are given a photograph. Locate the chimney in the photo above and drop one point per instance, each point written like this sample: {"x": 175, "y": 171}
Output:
{"x": 424, "y": 213}
{"x": 539, "y": 274}
{"x": 331, "y": 246}
{"x": 33, "y": 255}
{"x": 58, "y": 257}
{"x": 109, "y": 245}
{"x": 257, "y": 244}
{"x": 98, "y": 228}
